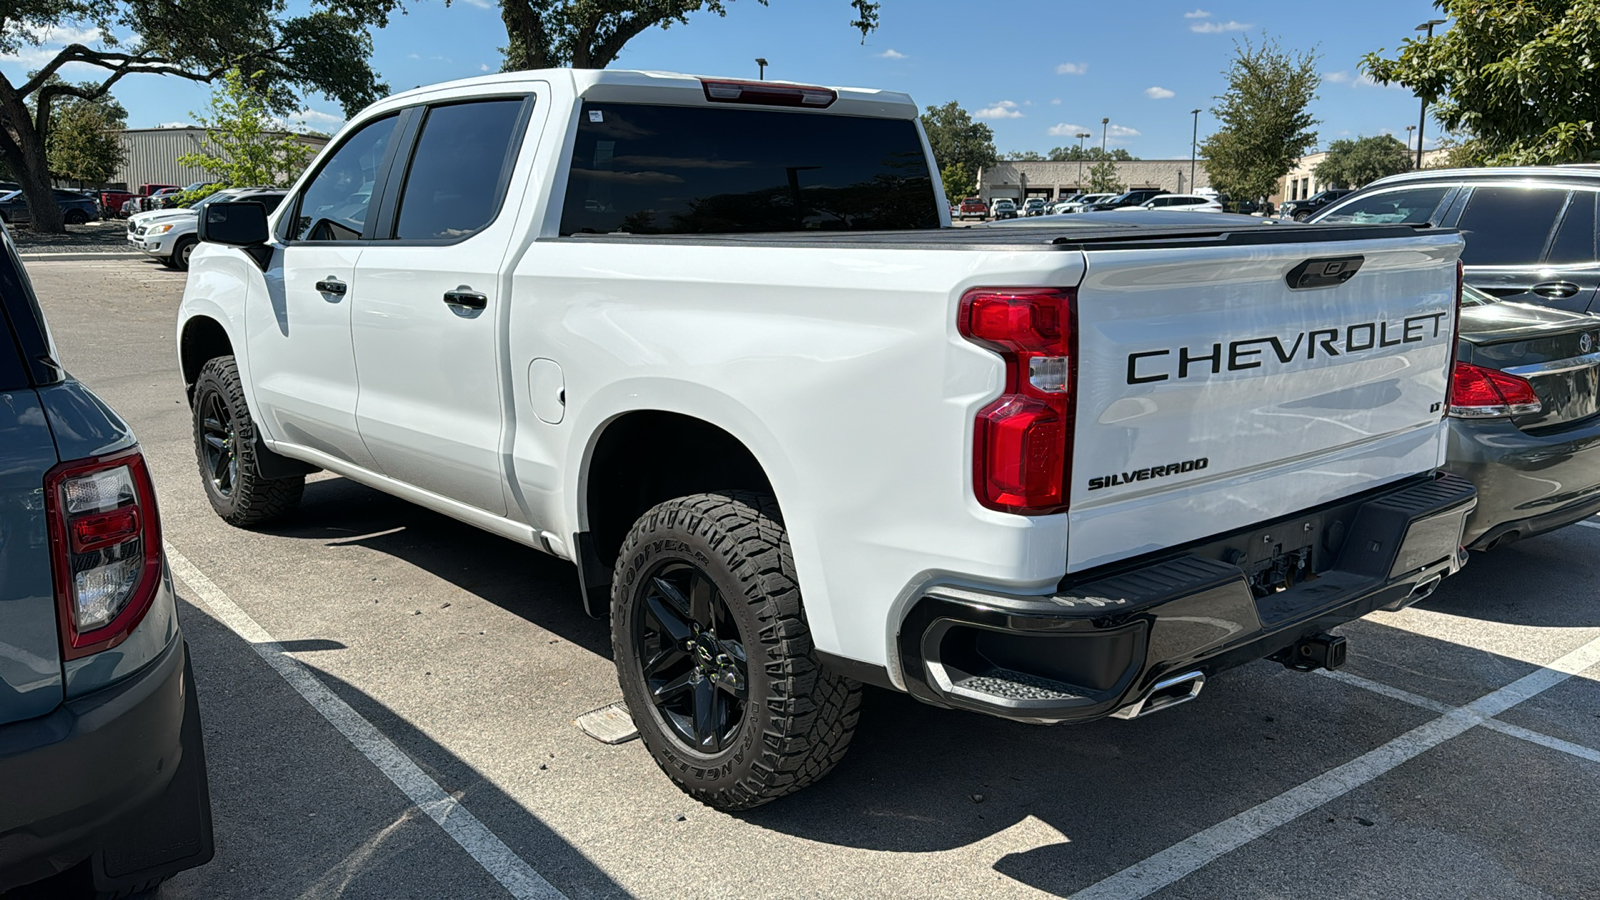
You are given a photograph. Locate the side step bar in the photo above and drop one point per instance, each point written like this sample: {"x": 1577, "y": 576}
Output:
{"x": 1167, "y": 693}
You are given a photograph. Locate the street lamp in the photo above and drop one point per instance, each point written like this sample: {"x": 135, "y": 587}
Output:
{"x": 1081, "y": 136}
{"x": 1194, "y": 143}
{"x": 762, "y": 75}
{"x": 1422, "y": 118}
{"x": 1104, "y": 124}
{"x": 1409, "y": 129}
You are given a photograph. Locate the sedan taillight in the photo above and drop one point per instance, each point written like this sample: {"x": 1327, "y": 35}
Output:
{"x": 105, "y": 549}
{"x": 1022, "y": 442}
{"x": 1479, "y": 393}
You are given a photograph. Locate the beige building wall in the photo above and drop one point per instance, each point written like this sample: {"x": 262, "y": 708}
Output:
{"x": 151, "y": 156}
{"x": 1301, "y": 182}
{"x": 1049, "y": 179}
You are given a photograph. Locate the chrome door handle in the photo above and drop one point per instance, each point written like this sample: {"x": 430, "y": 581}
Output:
{"x": 1555, "y": 290}
{"x": 331, "y": 285}
{"x": 465, "y": 298}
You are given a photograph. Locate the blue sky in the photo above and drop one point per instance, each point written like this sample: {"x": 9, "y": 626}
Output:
{"x": 1037, "y": 71}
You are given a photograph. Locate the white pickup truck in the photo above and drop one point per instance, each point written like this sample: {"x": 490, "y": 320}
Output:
{"x": 714, "y": 342}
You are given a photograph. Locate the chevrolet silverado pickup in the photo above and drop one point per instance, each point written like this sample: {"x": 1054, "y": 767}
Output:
{"x": 716, "y": 343}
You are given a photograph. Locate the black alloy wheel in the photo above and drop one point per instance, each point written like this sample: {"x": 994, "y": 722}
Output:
{"x": 75, "y": 217}
{"x": 219, "y": 440}
{"x": 695, "y": 667}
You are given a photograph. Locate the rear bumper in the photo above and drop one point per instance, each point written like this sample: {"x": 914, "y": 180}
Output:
{"x": 1106, "y": 638}
{"x": 116, "y": 777}
{"x": 1527, "y": 484}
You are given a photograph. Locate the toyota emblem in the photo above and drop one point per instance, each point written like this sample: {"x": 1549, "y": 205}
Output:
{"x": 1585, "y": 343}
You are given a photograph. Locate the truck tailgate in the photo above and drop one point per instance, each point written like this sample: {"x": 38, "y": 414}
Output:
{"x": 1211, "y": 395}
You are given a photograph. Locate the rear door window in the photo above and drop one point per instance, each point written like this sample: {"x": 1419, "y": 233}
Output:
{"x": 1409, "y": 207}
{"x": 691, "y": 170}
{"x": 456, "y": 178}
{"x": 1575, "y": 239}
{"x": 1509, "y": 226}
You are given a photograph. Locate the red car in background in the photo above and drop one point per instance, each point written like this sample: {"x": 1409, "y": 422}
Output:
{"x": 111, "y": 201}
{"x": 974, "y": 207}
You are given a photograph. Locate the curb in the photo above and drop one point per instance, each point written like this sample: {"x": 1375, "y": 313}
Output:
{"x": 67, "y": 255}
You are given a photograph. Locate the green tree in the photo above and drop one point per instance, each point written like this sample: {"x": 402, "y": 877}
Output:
{"x": 1520, "y": 77}
{"x": 323, "y": 50}
{"x": 1103, "y": 178}
{"x": 1023, "y": 156}
{"x": 957, "y": 140}
{"x": 244, "y": 146}
{"x": 1266, "y": 127}
{"x": 1089, "y": 154}
{"x": 588, "y": 34}
{"x": 85, "y": 143}
{"x": 1351, "y": 164}
{"x": 958, "y": 183}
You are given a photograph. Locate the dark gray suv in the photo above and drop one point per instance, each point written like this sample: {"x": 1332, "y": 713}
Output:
{"x": 102, "y": 774}
{"x": 1531, "y": 231}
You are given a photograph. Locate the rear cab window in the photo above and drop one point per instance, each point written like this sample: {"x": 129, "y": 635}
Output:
{"x": 646, "y": 169}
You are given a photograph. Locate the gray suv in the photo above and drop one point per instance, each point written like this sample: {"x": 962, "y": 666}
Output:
{"x": 1531, "y": 231}
{"x": 103, "y": 786}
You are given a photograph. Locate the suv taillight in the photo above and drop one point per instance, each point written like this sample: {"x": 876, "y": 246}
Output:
{"x": 105, "y": 548}
{"x": 1479, "y": 393}
{"x": 1022, "y": 442}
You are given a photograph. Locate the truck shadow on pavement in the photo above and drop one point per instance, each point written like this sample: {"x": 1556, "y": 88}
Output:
{"x": 1083, "y": 801}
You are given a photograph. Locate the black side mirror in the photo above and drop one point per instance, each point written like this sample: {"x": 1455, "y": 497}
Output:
{"x": 238, "y": 224}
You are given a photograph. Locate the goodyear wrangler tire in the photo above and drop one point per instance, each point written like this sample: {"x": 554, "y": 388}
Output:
{"x": 224, "y": 447}
{"x": 714, "y": 655}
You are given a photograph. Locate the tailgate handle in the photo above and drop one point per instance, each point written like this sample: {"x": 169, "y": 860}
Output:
{"x": 1556, "y": 290}
{"x": 1324, "y": 272}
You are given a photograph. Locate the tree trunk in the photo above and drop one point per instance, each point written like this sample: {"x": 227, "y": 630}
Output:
{"x": 23, "y": 150}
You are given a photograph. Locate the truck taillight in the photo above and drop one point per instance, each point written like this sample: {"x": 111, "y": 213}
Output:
{"x": 105, "y": 549}
{"x": 1479, "y": 393}
{"x": 768, "y": 93}
{"x": 1022, "y": 442}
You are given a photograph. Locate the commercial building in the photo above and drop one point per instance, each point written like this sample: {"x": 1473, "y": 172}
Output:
{"x": 150, "y": 156}
{"x": 1302, "y": 182}
{"x": 1019, "y": 179}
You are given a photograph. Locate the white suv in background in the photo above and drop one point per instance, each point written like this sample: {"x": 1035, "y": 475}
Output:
{"x": 1193, "y": 202}
{"x": 169, "y": 234}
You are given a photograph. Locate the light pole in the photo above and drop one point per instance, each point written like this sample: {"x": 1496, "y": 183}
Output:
{"x": 1081, "y": 136}
{"x": 1409, "y": 129}
{"x": 1104, "y": 124}
{"x": 1422, "y": 117}
{"x": 1194, "y": 144}
{"x": 762, "y": 74}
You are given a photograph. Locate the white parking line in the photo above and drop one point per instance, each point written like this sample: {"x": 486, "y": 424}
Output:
{"x": 1590, "y": 523}
{"x": 1187, "y": 856}
{"x": 1516, "y": 731}
{"x": 481, "y": 844}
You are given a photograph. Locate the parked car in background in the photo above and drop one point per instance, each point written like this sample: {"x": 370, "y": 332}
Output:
{"x": 157, "y": 197}
{"x": 76, "y": 208}
{"x": 1301, "y": 210}
{"x": 974, "y": 208}
{"x": 103, "y": 786}
{"x": 1525, "y": 417}
{"x": 1060, "y": 205}
{"x": 1033, "y": 206}
{"x": 1531, "y": 231}
{"x": 1127, "y": 198}
{"x": 1003, "y": 208}
{"x": 112, "y": 202}
{"x": 1080, "y": 203}
{"x": 169, "y": 234}
{"x": 1178, "y": 202}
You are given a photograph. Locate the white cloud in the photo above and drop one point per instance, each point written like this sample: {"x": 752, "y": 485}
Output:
{"x": 1005, "y": 109}
{"x": 1072, "y": 68}
{"x": 891, "y": 53}
{"x": 1337, "y": 78}
{"x": 1218, "y": 27}
{"x": 481, "y": 4}
{"x": 312, "y": 119}
{"x": 483, "y": 67}
{"x": 1121, "y": 131}
{"x": 1056, "y": 102}
{"x": 48, "y": 42}
{"x": 1066, "y": 129}
{"x": 1158, "y": 93}
{"x": 1197, "y": 14}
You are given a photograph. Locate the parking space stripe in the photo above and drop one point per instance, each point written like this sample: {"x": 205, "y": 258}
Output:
{"x": 506, "y": 867}
{"x": 1590, "y": 523}
{"x": 1187, "y": 856}
{"x": 1516, "y": 731}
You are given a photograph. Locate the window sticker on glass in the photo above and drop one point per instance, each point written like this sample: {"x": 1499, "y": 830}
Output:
{"x": 596, "y": 115}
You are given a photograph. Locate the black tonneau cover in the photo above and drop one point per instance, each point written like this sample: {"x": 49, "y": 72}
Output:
{"x": 1051, "y": 236}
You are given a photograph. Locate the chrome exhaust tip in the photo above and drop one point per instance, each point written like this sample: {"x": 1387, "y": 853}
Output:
{"x": 1424, "y": 589}
{"x": 1168, "y": 692}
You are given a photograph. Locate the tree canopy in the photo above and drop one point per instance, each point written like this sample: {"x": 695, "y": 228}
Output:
{"x": 589, "y": 34}
{"x": 1023, "y": 156}
{"x": 244, "y": 147}
{"x": 958, "y": 183}
{"x": 1521, "y": 78}
{"x": 324, "y": 49}
{"x": 1103, "y": 178}
{"x": 957, "y": 140}
{"x": 1090, "y": 154}
{"x": 1266, "y": 125}
{"x": 85, "y": 145}
{"x": 1351, "y": 164}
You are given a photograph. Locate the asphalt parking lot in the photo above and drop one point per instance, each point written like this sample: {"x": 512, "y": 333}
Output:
{"x": 389, "y": 698}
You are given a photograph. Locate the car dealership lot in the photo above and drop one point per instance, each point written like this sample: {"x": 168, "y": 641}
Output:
{"x": 372, "y": 670}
